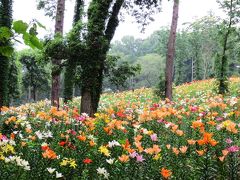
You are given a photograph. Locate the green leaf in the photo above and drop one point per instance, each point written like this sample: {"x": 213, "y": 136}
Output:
{"x": 20, "y": 27}
{"x": 35, "y": 42}
{"x": 6, "y": 50}
{"x": 40, "y": 25}
{"x": 5, "y": 33}
{"x": 26, "y": 38}
{"x": 32, "y": 41}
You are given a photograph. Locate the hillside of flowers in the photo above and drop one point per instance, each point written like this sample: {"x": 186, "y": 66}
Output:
{"x": 133, "y": 136}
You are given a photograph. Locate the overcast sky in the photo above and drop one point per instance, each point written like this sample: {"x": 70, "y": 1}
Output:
{"x": 189, "y": 10}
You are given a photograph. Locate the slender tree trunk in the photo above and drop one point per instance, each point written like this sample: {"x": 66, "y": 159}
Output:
{"x": 5, "y": 20}
{"x": 98, "y": 43}
{"x": 60, "y": 16}
{"x": 171, "y": 51}
{"x": 34, "y": 91}
{"x": 55, "y": 91}
{"x": 29, "y": 94}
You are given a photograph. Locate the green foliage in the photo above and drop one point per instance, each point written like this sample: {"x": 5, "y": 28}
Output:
{"x": 27, "y": 32}
{"x": 20, "y": 27}
{"x": 221, "y": 84}
{"x": 4, "y": 72}
{"x": 76, "y": 49}
{"x": 49, "y": 6}
{"x": 5, "y": 34}
{"x": 6, "y": 51}
{"x": 152, "y": 65}
{"x": 14, "y": 84}
{"x": 56, "y": 48}
{"x": 143, "y": 10}
{"x": 118, "y": 73}
{"x": 143, "y": 52}
{"x": 161, "y": 87}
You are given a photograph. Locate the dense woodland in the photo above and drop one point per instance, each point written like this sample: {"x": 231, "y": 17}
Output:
{"x": 58, "y": 65}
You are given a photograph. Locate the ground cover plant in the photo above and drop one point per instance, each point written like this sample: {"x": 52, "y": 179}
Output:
{"x": 133, "y": 136}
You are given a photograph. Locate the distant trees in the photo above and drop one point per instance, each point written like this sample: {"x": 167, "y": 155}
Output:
{"x": 196, "y": 47}
{"x": 117, "y": 73}
{"x": 145, "y": 54}
{"x": 35, "y": 76}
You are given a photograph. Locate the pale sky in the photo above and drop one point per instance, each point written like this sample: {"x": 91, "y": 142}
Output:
{"x": 189, "y": 10}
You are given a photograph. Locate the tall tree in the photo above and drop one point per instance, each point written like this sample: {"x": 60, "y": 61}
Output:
{"x": 102, "y": 23}
{"x": 231, "y": 7}
{"x": 59, "y": 21}
{"x": 5, "y": 21}
{"x": 171, "y": 51}
{"x": 74, "y": 42}
{"x": 97, "y": 42}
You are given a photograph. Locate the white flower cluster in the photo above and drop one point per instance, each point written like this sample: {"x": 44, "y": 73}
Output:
{"x": 20, "y": 162}
{"x": 110, "y": 161}
{"x": 52, "y": 170}
{"x": 7, "y": 141}
{"x": 113, "y": 143}
{"x": 44, "y": 135}
{"x": 103, "y": 171}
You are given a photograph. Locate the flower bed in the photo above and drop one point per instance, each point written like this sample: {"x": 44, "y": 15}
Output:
{"x": 132, "y": 137}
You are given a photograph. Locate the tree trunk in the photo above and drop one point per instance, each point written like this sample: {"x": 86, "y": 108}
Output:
{"x": 223, "y": 85}
{"x": 98, "y": 43}
{"x": 69, "y": 77}
{"x": 5, "y": 20}
{"x": 29, "y": 94}
{"x": 171, "y": 51}
{"x": 34, "y": 91}
{"x": 55, "y": 91}
{"x": 86, "y": 103}
{"x": 79, "y": 9}
{"x": 70, "y": 71}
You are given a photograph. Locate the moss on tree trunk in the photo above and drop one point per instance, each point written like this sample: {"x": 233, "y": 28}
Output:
{"x": 5, "y": 20}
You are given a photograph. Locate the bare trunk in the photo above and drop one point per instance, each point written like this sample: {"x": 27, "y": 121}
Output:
{"x": 60, "y": 16}
{"x": 171, "y": 51}
{"x": 86, "y": 103}
{"x": 55, "y": 91}
{"x": 29, "y": 93}
{"x": 34, "y": 91}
